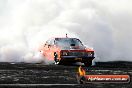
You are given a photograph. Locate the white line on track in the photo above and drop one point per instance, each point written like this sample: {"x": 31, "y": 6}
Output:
{"x": 38, "y": 84}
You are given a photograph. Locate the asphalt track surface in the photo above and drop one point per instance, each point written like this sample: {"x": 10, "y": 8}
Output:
{"x": 27, "y": 75}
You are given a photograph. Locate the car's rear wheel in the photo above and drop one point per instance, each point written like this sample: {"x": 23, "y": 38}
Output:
{"x": 87, "y": 64}
{"x": 56, "y": 60}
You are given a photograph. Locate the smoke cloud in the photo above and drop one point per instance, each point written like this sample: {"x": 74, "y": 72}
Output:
{"x": 26, "y": 24}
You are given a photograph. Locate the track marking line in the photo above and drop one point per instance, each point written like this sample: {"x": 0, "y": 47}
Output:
{"x": 38, "y": 84}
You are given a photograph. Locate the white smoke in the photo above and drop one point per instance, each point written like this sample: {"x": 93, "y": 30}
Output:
{"x": 25, "y": 24}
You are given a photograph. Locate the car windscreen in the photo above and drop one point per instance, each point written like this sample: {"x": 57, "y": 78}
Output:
{"x": 67, "y": 42}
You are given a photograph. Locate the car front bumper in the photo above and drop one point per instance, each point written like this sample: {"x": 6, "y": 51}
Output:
{"x": 76, "y": 58}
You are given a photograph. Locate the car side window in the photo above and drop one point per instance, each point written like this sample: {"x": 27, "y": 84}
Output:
{"x": 49, "y": 43}
{"x": 52, "y": 42}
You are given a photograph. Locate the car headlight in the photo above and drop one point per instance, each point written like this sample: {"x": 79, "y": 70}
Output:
{"x": 90, "y": 54}
{"x": 65, "y": 53}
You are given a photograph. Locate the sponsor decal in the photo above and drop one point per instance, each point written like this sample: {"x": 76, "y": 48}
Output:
{"x": 108, "y": 78}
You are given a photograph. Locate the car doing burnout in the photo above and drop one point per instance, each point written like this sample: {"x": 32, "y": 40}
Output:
{"x": 67, "y": 50}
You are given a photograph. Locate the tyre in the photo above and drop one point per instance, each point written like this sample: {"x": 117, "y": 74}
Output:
{"x": 87, "y": 64}
{"x": 56, "y": 60}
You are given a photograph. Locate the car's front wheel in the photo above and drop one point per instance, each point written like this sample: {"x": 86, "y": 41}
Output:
{"x": 56, "y": 60}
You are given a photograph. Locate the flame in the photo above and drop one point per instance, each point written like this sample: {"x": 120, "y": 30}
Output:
{"x": 81, "y": 71}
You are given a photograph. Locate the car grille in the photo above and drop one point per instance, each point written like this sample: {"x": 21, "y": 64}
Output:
{"x": 78, "y": 54}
